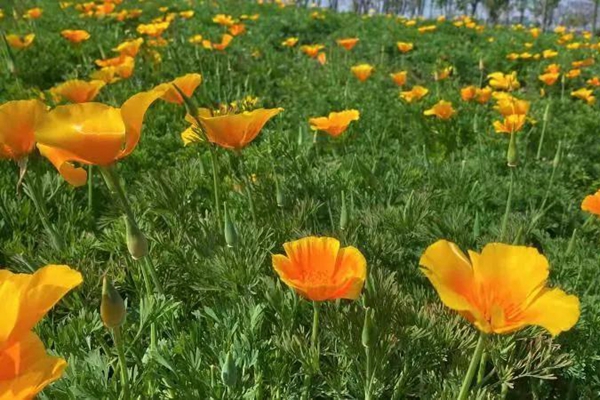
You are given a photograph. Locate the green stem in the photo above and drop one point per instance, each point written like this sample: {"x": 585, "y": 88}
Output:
{"x": 466, "y": 385}
{"x": 247, "y": 184}
{"x": 90, "y": 188}
{"x": 544, "y": 125}
{"x": 508, "y": 205}
{"x": 482, "y": 364}
{"x": 369, "y": 373}
{"x": 152, "y": 271}
{"x": 33, "y": 192}
{"x": 114, "y": 185}
{"x": 213, "y": 160}
{"x": 314, "y": 338}
{"x": 122, "y": 362}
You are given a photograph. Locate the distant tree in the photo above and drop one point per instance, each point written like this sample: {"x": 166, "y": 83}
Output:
{"x": 495, "y": 8}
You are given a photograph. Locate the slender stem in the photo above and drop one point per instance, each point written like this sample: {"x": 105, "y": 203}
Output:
{"x": 33, "y": 192}
{"x": 152, "y": 271}
{"x": 508, "y": 205}
{"x": 213, "y": 160}
{"x": 369, "y": 373}
{"x": 122, "y": 362}
{"x": 466, "y": 385}
{"x": 544, "y": 125}
{"x": 112, "y": 181}
{"x": 90, "y": 184}
{"x": 314, "y": 338}
{"x": 482, "y": 364}
{"x": 247, "y": 184}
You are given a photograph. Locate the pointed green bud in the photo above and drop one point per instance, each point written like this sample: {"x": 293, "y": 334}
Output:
{"x": 367, "y": 336}
{"x": 278, "y": 193}
{"x": 137, "y": 244}
{"x": 229, "y": 373}
{"x": 189, "y": 103}
{"x": 230, "y": 231}
{"x": 512, "y": 155}
{"x": 546, "y": 113}
{"x": 343, "y": 213}
{"x": 112, "y": 306}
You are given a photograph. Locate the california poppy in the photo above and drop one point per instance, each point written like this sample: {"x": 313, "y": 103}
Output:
{"x": 584, "y": 94}
{"x": 501, "y": 81}
{"x": 78, "y": 91}
{"x": 312, "y": 50}
{"x": 129, "y": 47}
{"x": 237, "y": 29}
{"x": 362, "y": 72}
{"x": 20, "y": 42}
{"x": 511, "y": 105}
{"x": 187, "y": 84}
{"x": 442, "y": 110}
{"x": 336, "y": 123}
{"x": 501, "y": 290}
{"x": 511, "y": 124}
{"x": 290, "y": 42}
{"x": 92, "y": 133}
{"x": 549, "y": 78}
{"x": 223, "y": 20}
{"x": 404, "y": 47}
{"x": 399, "y": 77}
{"x": 416, "y": 93}
{"x": 318, "y": 269}
{"x": 591, "y": 203}
{"x": 75, "y": 36}
{"x": 347, "y": 44}
{"x": 18, "y": 121}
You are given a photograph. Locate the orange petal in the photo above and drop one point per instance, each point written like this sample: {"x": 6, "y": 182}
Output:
{"x": 62, "y": 162}
{"x": 18, "y": 120}
{"x": 553, "y": 310}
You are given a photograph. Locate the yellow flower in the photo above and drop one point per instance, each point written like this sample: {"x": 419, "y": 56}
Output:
{"x": 399, "y": 77}
{"x": 552, "y": 68}
{"x": 362, "y": 72}
{"x": 427, "y": 28}
{"x": 18, "y": 121}
{"x": 336, "y": 123}
{"x": 511, "y": 105}
{"x": 574, "y": 73}
{"x": 549, "y": 78}
{"x": 290, "y": 42}
{"x": 129, "y": 47}
{"x": 153, "y": 29}
{"x": 584, "y": 94}
{"x": 591, "y": 203}
{"x": 511, "y": 124}
{"x": 77, "y": 91}
{"x": 320, "y": 270}
{"x": 92, "y": 133}
{"x": 26, "y": 368}
{"x": 442, "y": 110}
{"x": 501, "y": 81}
{"x": 186, "y": 14}
{"x": 442, "y": 74}
{"x": 223, "y": 20}
{"x": 404, "y": 47}
{"x": 187, "y": 84}
{"x": 20, "y": 42}
{"x": 501, "y": 290}
{"x": 75, "y": 36}
{"x": 312, "y": 50}
{"x": 416, "y": 93}
{"x": 348, "y": 43}
{"x": 33, "y": 13}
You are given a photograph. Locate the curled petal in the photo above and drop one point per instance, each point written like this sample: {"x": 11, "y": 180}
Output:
{"x": 61, "y": 160}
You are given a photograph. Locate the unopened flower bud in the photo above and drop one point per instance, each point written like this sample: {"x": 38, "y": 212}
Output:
{"x": 367, "y": 332}
{"x": 230, "y": 231}
{"x": 137, "y": 244}
{"x": 512, "y": 155}
{"x": 112, "y": 306}
{"x": 229, "y": 373}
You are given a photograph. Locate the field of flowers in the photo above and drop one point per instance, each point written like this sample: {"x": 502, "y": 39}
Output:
{"x": 237, "y": 200}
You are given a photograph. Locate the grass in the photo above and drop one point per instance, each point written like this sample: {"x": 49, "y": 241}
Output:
{"x": 407, "y": 181}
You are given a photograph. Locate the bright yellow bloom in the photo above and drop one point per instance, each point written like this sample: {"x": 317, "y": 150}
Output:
{"x": 92, "y": 133}
{"x": 416, "y": 93}
{"x": 549, "y": 53}
{"x": 186, "y": 14}
{"x": 75, "y": 36}
{"x": 584, "y": 94}
{"x": 290, "y": 42}
{"x": 362, "y": 72}
{"x": 230, "y": 130}
{"x": 312, "y": 50}
{"x": 442, "y": 110}
{"x": 511, "y": 123}
{"x": 77, "y": 91}
{"x": 153, "y": 29}
{"x": 187, "y": 84}
{"x": 336, "y": 123}
{"x": 129, "y": 47}
{"x": 501, "y": 290}
{"x": 427, "y": 28}
{"x": 574, "y": 73}
{"x": 552, "y": 69}
{"x": 399, "y": 77}
{"x": 223, "y": 20}
{"x": 18, "y": 121}
{"x": 20, "y": 42}
{"x": 319, "y": 270}
{"x": 404, "y": 47}
{"x": 196, "y": 39}
{"x": 535, "y": 32}
{"x": 500, "y": 81}
{"x": 549, "y": 78}
{"x": 25, "y": 368}
{"x": 348, "y": 43}
{"x": 511, "y": 105}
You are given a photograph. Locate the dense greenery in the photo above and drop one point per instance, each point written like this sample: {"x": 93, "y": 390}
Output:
{"x": 408, "y": 180}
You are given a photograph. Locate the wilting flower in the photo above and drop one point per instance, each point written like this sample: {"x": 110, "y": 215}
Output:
{"x": 312, "y": 50}
{"x": 404, "y": 47}
{"x": 187, "y": 84}
{"x": 501, "y": 290}
{"x": 336, "y": 123}
{"x": 348, "y": 43}
{"x": 549, "y": 78}
{"x": 77, "y": 91}
{"x": 92, "y": 133}
{"x": 26, "y": 369}
{"x": 75, "y": 36}
{"x": 584, "y": 94}
{"x": 511, "y": 124}
{"x": 223, "y": 20}
{"x": 228, "y": 128}
{"x": 399, "y": 77}
{"x": 500, "y": 81}
{"x": 290, "y": 42}
{"x": 20, "y": 42}
{"x": 442, "y": 110}
{"x": 362, "y": 72}
{"x": 591, "y": 203}
{"x": 416, "y": 93}
{"x": 129, "y": 47}
{"x": 318, "y": 269}
{"x": 18, "y": 121}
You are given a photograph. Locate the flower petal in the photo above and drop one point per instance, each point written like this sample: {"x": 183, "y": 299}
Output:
{"x": 554, "y": 310}
{"x": 62, "y": 162}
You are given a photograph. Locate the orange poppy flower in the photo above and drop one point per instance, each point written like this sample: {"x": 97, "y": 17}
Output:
{"x": 312, "y": 50}
{"x": 92, "y": 133}
{"x": 549, "y": 78}
{"x": 18, "y": 121}
{"x": 591, "y": 203}
{"x": 512, "y": 105}
{"x": 20, "y": 42}
{"x": 399, "y": 78}
{"x": 549, "y": 54}
{"x": 483, "y": 95}
{"x": 129, "y": 47}
{"x": 594, "y": 81}
{"x": 468, "y": 93}
{"x": 290, "y": 42}
{"x": 500, "y": 81}
{"x": 362, "y": 72}
{"x": 33, "y": 13}
{"x": 223, "y": 20}
{"x": 336, "y": 123}
{"x": 319, "y": 270}
{"x": 77, "y": 91}
{"x": 75, "y": 36}
{"x": 230, "y": 130}
{"x": 416, "y": 93}
{"x": 442, "y": 74}
{"x": 237, "y": 29}
{"x": 348, "y": 43}
{"x": 584, "y": 94}
{"x": 511, "y": 124}
{"x": 187, "y": 84}
{"x": 404, "y": 47}
{"x": 225, "y": 41}
{"x": 501, "y": 290}
{"x": 574, "y": 73}
{"x": 322, "y": 58}
{"x": 442, "y": 110}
